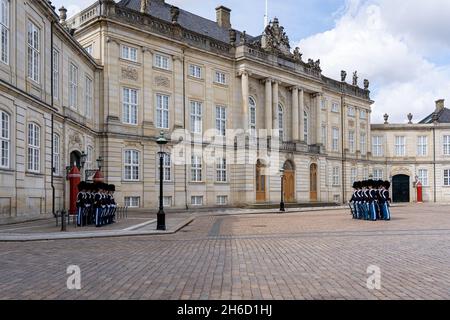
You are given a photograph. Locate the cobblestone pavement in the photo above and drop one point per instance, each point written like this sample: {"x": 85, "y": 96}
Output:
{"x": 316, "y": 255}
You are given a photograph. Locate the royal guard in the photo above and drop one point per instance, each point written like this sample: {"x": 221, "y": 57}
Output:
{"x": 385, "y": 199}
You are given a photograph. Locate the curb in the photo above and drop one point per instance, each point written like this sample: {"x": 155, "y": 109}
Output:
{"x": 90, "y": 235}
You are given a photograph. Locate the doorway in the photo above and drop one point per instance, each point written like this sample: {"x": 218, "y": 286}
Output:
{"x": 289, "y": 182}
{"x": 261, "y": 184}
{"x": 400, "y": 188}
{"x": 313, "y": 183}
{"x": 75, "y": 158}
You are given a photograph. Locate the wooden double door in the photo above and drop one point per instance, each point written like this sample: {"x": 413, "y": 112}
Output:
{"x": 289, "y": 186}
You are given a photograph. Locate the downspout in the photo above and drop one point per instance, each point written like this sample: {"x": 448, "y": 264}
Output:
{"x": 434, "y": 161}
{"x": 52, "y": 105}
{"x": 184, "y": 127}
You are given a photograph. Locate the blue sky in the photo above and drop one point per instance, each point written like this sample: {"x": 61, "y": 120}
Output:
{"x": 401, "y": 46}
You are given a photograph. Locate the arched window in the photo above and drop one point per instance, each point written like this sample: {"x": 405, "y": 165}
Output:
{"x": 252, "y": 115}
{"x": 281, "y": 122}
{"x": 4, "y": 139}
{"x": 306, "y": 126}
{"x": 56, "y": 155}
{"x": 34, "y": 147}
{"x": 131, "y": 165}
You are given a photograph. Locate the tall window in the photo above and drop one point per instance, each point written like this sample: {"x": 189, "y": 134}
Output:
{"x": 162, "y": 111}
{"x": 33, "y": 51}
{"x": 353, "y": 175}
{"x": 162, "y": 62}
{"x": 131, "y": 165}
{"x": 446, "y": 178}
{"x": 422, "y": 145}
{"x": 196, "y": 169}
{"x": 167, "y": 168}
{"x": 363, "y": 114}
{"x": 73, "y": 85}
{"x": 252, "y": 116}
{"x": 221, "y": 120}
{"x": 132, "y": 202}
{"x": 195, "y": 71}
{"x": 335, "y": 139}
{"x": 34, "y": 147}
{"x": 129, "y": 105}
{"x": 56, "y": 155}
{"x": 336, "y": 179}
{"x": 377, "y": 146}
{"x": 221, "y": 170}
{"x": 4, "y": 139}
{"x": 281, "y": 122}
{"x": 400, "y": 146}
{"x": 351, "y": 141}
{"x": 305, "y": 126}
{"x": 335, "y": 107}
{"x": 220, "y": 77}
{"x": 55, "y": 73}
{"x": 324, "y": 134}
{"x": 129, "y": 53}
{"x": 422, "y": 175}
{"x": 365, "y": 173}
{"x": 196, "y": 117}
{"x": 89, "y": 97}
{"x": 323, "y": 104}
{"x": 4, "y": 31}
{"x": 378, "y": 174}
{"x": 363, "y": 143}
{"x": 446, "y": 145}
{"x": 351, "y": 111}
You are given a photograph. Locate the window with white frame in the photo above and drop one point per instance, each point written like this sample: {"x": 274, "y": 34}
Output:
{"x": 129, "y": 53}
{"x": 353, "y": 175}
{"x": 365, "y": 173}
{"x": 89, "y": 49}
{"x": 252, "y": 116}
{"x": 222, "y": 200}
{"x": 400, "y": 146}
{"x": 335, "y": 107}
{"x": 132, "y": 202}
{"x": 129, "y": 105}
{"x": 378, "y": 174}
{"x": 90, "y": 157}
{"x": 351, "y": 141}
{"x": 351, "y": 111}
{"x": 34, "y": 147}
{"x": 220, "y": 78}
{"x": 323, "y": 104}
{"x": 167, "y": 167}
{"x": 4, "y": 31}
{"x": 4, "y": 139}
{"x": 446, "y": 145}
{"x": 422, "y": 175}
{"x": 162, "y": 111}
{"x": 197, "y": 200}
{"x": 162, "y": 62}
{"x": 281, "y": 122}
{"x": 221, "y": 120}
{"x": 324, "y": 134}
{"x": 131, "y": 165}
{"x": 422, "y": 145}
{"x": 196, "y": 168}
{"x": 221, "y": 170}
{"x": 55, "y": 74}
{"x": 167, "y": 201}
{"x": 447, "y": 178}
{"x": 377, "y": 146}
{"x": 34, "y": 54}
{"x": 335, "y": 145}
{"x": 336, "y": 178}
{"x": 196, "y": 117}
{"x": 363, "y": 143}
{"x": 56, "y": 155}
{"x": 88, "y": 97}
{"x": 362, "y": 114}
{"x": 73, "y": 85}
{"x": 195, "y": 71}
{"x": 305, "y": 126}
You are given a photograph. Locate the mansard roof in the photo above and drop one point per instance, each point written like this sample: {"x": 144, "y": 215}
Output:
{"x": 442, "y": 116}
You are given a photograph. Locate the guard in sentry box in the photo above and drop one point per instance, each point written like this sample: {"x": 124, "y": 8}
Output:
{"x": 385, "y": 200}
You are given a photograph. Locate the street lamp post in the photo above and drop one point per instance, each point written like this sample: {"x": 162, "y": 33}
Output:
{"x": 282, "y": 205}
{"x": 161, "y": 216}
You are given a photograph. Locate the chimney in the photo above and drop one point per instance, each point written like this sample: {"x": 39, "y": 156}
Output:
{"x": 62, "y": 15}
{"x": 440, "y": 105}
{"x": 223, "y": 17}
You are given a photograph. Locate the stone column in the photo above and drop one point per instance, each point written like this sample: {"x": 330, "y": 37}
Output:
{"x": 302, "y": 115}
{"x": 318, "y": 118}
{"x": 275, "y": 102}
{"x": 268, "y": 110}
{"x": 245, "y": 97}
{"x": 295, "y": 127}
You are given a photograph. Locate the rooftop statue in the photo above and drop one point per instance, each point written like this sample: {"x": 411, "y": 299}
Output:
{"x": 275, "y": 39}
{"x": 355, "y": 78}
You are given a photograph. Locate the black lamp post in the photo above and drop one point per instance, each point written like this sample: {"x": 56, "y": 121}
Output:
{"x": 161, "y": 217}
{"x": 282, "y": 205}
{"x": 99, "y": 163}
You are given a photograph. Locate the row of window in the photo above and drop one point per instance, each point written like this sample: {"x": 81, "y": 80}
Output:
{"x": 135, "y": 202}
{"x": 400, "y": 146}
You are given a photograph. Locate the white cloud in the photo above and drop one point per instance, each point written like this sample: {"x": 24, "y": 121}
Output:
{"x": 367, "y": 38}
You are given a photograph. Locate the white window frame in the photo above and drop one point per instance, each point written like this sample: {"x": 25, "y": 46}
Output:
{"x": 196, "y": 116}
{"x": 195, "y": 71}
{"x": 336, "y": 176}
{"x": 281, "y": 129}
{"x": 335, "y": 141}
{"x": 363, "y": 143}
{"x": 400, "y": 146}
{"x": 196, "y": 168}
{"x": 377, "y": 146}
{"x": 324, "y": 134}
{"x": 162, "y": 61}
{"x": 55, "y": 73}
{"x": 378, "y": 174}
{"x": 89, "y": 99}
{"x": 446, "y": 145}
{"x": 73, "y": 85}
{"x": 129, "y": 53}
{"x": 252, "y": 116}
{"x": 351, "y": 141}
{"x": 5, "y": 139}
{"x": 56, "y": 154}
{"x": 335, "y": 107}
{"x": 34, "y": 54}
{"x": 221, "y": 120}
{"x": 197, "y": 200}
{"x": 130, "y": 102}
{"x": 422, "y": 175}
{"x": 363, "y": 114}
{"x": 222, "y": 200}
{"x": 351, "y": 111}
{"x": 220, "y": 77}
{"x": 323, "y": 104}
{"x": 4, "y": 31}
{"x": 162, "y": 111}
{"x": 422, "y": 146}
{"x": 167, "y": 167}
{"x": 221, "y": 170}
{"x": 167, "y": 201}
{"x": 131, "y": 165}
{"x": 130, "y": 203}
{"x": 446, "y": 177}
{"x": 306, "y": 126}
{"x": 34, "y": 147}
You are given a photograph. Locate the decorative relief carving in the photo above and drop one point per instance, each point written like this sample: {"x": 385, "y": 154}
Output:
{"x": 75, "y": 140}
{"x": 161, "y": 81}
{"x": 275, "y": 39}
{"x": 130, "y": 73}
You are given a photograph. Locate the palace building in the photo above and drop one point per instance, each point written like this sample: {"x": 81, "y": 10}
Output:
{"x": 106, "y": 82}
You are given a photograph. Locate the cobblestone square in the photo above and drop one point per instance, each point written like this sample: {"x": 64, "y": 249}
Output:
{"x": 307, "y": 255}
